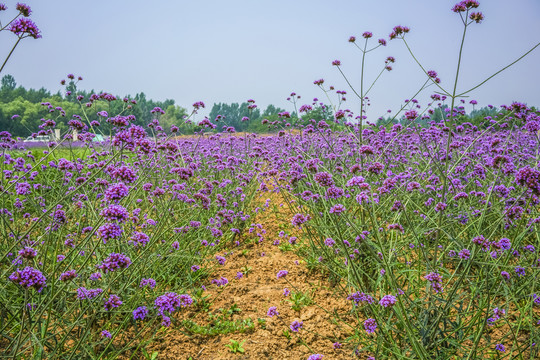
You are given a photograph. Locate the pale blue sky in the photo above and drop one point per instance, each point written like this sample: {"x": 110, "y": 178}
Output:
{"x": 230, "y": 51}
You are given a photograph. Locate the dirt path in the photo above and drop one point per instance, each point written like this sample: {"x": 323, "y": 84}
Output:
{"x": 254, "y": 293}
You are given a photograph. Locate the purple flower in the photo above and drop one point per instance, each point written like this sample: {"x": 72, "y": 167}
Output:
{"x": 296, "y": 325}
{"x": 387, "y": 301}
{"x": 27, "y": 253}
{"x": 282, "y": 273}
{"x": 116, "y": 192}
{"x": 324, "y": 179}
{"x": 359, "y": 297}
{"x": 440, "y": 206}
{"x": 337, "y": 209}
{"x": 530, "y": 178}
{"x": 435, "y": 280}
{"x": 139, "y": 238}
{"x": 464, "y": 254}
{"x": 88, "y": 294}
{"x": 222, "y": 281}
{"x": 500, "y": 347}
{"x": 106, "y": 334}
{"x": 68, "y": 275}
{"x": 115, "y": 213}
{"x": 24, "y": 9}
{"x": 370, "y": 325}
{"x": 397, "y": 227}
{"x": 95, "y": 276}
{"x": 505, "y": 275}
{"x": 329, "y": 242}
{"x": 151, "y": 283}
{"x": 315, "y": 357}
{"x": 114, "y": 262}
{"x": 23, "y": 188}
{"x": 300, "y": 219}
{"x": 25, "y": 27}
{"x": 170, "y": 302}
{"x": 221, "y": 260}
{"x": 272, "y": 311}
{"x": 109, "y": 231}
{"x": 113, "y": 302}
{"x": 29, "y": 278}
{"x": 140, "y": 313}
{"x": 165, "y": 321}
{"x": 286, "y": 292}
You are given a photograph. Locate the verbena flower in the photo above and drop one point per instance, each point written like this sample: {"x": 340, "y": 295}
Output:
{"x": 272, "y": 311}
{"x": 68, "y": 275}
{"x": 109, "y": 232}
{"x": 27, "y": 253}
{"x": 114, "y": 262}
{"x": 25, "y": 27}
{"x": 370, "y": 325}
{"x": 113, "y": 302}
{"x": 170, "y": 302}
{"x": 29, "y": 278}
{"x": 88, "y": 294}
{"x": 115, "y": 213}
{"x": 387, "y": 301}
{"x": 151, "y": 283}
{"x": 140, "y": 313}
{"x": 296, "y": 325}
{"x": 359, "y": 297}
{"x": 24, "y": 9}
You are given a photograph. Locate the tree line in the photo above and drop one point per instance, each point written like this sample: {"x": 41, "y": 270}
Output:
{"x": 22, "y": 111}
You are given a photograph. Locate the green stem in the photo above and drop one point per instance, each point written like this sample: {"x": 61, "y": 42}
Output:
{"x": 9, "y": 55}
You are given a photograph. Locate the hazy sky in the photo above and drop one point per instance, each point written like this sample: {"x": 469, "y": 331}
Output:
{"x": 234, "y": 50}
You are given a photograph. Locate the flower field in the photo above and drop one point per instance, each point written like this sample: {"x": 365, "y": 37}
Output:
{"x": 331, "y": 237}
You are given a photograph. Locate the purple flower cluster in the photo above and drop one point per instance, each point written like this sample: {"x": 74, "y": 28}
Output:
{"x": 68, "y": 275}
{"x": 115, "y": 213}
{"x": 170, "y": 302}
{"x": 388, "y": 301}
{"x": 370, "y": 325}
{"x": 151, "y": 283}
{"x": 113, "y": 302}
{"x": 222, "y": 281}
{"x": 88, "y": 294}
{"x": 116, "y": 192}
{"x": 140, "y": 313}
{"x": 29, "y": 278}
{"x": 435, "y": 280}
{"x": 272, "y": 311}
{"x": 24, "y": 27}
{"x": 360, "y": 297}
{"x": 139, "y": 238}
{"x": 109, "y": 232}
{"x": 115, "y": 262}
{"x": 27, "y": 253}
{"x": 296, "y": 325}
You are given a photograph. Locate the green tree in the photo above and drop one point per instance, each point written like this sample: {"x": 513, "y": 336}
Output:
{"x": 8, "y": 83}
